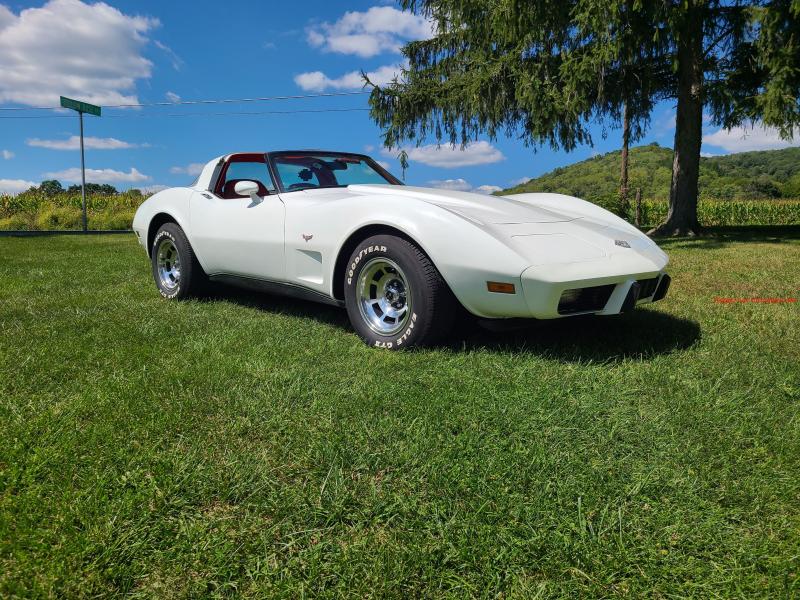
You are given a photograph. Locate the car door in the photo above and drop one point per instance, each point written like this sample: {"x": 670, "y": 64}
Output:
{"x": 232, "y": 234}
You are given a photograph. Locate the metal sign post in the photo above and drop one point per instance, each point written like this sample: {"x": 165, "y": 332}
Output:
{"x": 82, "y": 107}
{"x": 83, "y": 179}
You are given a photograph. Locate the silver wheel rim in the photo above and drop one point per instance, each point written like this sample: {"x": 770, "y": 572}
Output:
{"x": 384, "y": 296}
{"x": 168, "y": 263}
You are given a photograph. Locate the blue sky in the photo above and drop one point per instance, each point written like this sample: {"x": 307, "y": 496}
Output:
{"x": 144, "y": 51}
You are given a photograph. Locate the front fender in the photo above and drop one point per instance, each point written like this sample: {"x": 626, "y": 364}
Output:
{"x": 466, "y": 254}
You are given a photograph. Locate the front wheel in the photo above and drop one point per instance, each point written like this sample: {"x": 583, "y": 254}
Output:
{"x": 395, "y": 296}
{"x": 176, "y": 271}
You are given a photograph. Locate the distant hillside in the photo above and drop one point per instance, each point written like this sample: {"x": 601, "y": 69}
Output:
{"x": 748, "y": 175}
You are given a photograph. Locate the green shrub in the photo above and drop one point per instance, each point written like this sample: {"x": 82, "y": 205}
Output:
{"x": 17, "y": 222}
{"x": 109, "y": 220}
{"x": 33, "y": 201}
{"x": 51, "y": 217}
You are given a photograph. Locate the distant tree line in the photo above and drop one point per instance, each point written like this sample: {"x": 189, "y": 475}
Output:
{"x": 53, "y": 187}
{"x": 743, "y": 176}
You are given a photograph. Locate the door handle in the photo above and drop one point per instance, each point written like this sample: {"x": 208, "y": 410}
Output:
{"x": 209, "y": 196}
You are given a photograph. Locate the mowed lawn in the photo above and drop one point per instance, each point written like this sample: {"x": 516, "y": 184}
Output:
{"x": 250, "y": 446}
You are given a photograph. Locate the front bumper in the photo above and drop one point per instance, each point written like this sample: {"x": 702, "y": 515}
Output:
{"x": 605, "y": 299}
{"x": 582, "y": 288}
{"x": 607, "y": 286}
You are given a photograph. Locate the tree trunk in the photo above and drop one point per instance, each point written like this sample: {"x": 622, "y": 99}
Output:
{"x": 682, "y": 215}
{"x": 623, "y": 176}
{"x": 638, "y": 219}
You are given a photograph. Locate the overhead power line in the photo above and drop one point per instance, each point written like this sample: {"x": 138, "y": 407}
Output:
{"x": 191, "y": 102}
{"x": 199, "y": 114}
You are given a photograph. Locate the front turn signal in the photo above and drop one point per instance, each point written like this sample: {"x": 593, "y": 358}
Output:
{"x": 501, "y": 288}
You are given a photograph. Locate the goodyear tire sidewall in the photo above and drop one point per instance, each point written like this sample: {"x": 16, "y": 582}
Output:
{"x": 161, "y": 235}
{"x": 388, "y": 247}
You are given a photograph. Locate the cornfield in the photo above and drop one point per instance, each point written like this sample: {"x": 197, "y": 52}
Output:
{"x": 36, "y": 211}
{"x": 726, "y": 213}
{"x": 718, "y": 213}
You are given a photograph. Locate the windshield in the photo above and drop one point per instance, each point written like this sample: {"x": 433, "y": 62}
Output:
{"x": 305, "y": 171}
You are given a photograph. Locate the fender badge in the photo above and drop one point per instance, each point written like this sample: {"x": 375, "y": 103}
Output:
{"x": 307, "y": 237}
{"x": 622, "y": 243}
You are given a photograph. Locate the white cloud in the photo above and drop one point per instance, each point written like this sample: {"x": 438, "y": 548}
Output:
{"x": 458, "y": 185}
{"x": 520, "y": 181}
{"x": 190, "y": 169}
{"x": 149, "y": 190}
{"x": 6, "y": 17}
{"x": 86, "y": 51}
{"x": 90, "y": 143}
{"x": 99, "y": 176}
{"x": 744, "y": 139}
{"x": 462, "y": 185}
{"x": 177, "y": 61}
{"x": 317, "y": 81}
{"x": 8, "y": 155}
{"x": 475, "y": 153}
{"x": 384, "y": 164}
{"x": 377, "y": 30}
{"x": 172, "y": 97}
{"x": 14, "y": 186}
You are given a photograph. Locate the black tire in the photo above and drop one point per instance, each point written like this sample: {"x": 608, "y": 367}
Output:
{"x": 415, "y": 283}
{"x": 188, "y": 279}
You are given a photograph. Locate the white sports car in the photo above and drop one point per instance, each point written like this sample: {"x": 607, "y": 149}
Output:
{"x": 338, "y": 228}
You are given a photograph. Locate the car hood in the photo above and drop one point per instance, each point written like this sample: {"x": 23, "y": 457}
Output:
{"x": 540, "y": 234}
{"x": 490, "y": 210}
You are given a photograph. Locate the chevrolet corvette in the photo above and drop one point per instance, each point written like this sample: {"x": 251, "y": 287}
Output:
{"x": 337, "y": 228}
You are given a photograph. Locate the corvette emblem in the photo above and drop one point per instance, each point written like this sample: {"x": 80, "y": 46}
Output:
{"x": 307, "y": 237}
{"x": 622, "y": 243}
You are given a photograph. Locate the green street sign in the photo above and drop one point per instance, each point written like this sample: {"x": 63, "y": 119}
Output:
{"x": 82, "y": 107}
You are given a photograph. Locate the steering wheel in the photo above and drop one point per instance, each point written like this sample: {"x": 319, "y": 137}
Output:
{"x": 301, "y": 186}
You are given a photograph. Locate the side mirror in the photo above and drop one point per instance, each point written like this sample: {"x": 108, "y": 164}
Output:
{"x": 247, "y": 188}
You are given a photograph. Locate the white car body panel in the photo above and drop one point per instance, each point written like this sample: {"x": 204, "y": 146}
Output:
{"x": 542, "y": 243}
{"x": 237, "y": 236}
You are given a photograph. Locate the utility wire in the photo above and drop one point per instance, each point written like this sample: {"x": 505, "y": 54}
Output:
{"x": 199, "y": 114}
{"x": 190, "y": 102}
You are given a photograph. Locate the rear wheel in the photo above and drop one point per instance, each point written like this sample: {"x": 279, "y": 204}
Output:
{"x": 175, "y": 268}
{"x": 395, "y": 296}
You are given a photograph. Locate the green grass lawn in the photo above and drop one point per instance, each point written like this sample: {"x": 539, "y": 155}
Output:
{"x": 250, "y": 446}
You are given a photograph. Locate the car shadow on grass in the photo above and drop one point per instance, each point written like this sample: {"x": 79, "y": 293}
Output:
{"x": 273, "y": 303}
{"x": 642, "y": 334}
